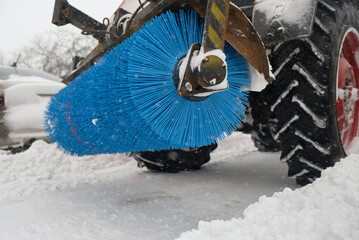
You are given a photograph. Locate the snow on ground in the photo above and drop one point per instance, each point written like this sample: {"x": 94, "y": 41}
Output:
{"x": 45, "y": 194}
{"x": 44, "y": 168}
{"x": 327, "y": 209}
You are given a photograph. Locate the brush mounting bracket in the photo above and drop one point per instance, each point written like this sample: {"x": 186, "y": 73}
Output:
{"x": 204, "y": 70}
{"x": 239, "y": 32}
{"x": 201, "y": 74}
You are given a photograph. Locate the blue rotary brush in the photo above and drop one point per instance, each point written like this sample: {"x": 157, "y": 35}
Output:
{"x": 128, "y": 100}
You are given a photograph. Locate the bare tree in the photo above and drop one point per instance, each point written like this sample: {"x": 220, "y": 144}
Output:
{"x": 53, "y": 52}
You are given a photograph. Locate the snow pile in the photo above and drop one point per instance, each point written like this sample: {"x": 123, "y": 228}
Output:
{"x": 44, "y": 167}
{"x": 327, "y": 209}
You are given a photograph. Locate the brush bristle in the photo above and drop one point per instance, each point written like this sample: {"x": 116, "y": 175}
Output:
{"x": 128, "y": 101}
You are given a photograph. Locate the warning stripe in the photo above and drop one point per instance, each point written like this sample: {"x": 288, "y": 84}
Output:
{"x": 216, "y": 21}
{"x": 215, "y": 24}
{"x": 218, "y": 14}
{"x": 214, "y": 37}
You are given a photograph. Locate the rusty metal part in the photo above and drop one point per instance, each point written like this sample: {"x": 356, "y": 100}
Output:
{"x": 211, "y": 72}
{"x": 193, "y": 83}
{"x": 215, "y": 25}
{"x": 64, "y": 13}
{"x": 241, "y": 35}
{"x": 87, "y": 62}
{"x": 188, "y": 84}
{"x": 151, "y": 10}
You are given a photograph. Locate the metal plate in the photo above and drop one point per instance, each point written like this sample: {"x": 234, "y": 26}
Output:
{"x": 278, "y": 21}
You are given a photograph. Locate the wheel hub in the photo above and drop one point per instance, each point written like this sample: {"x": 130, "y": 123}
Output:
{"x": 347, "y": 89}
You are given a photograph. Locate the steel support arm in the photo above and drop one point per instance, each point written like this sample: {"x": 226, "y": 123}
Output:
{"x": 64, "y": 13}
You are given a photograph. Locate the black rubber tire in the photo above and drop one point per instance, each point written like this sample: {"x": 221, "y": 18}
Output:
{"x": 263, "y": 139}
{"x": 306, "y": 72}
{"x": 173, "y": 161}
{"x": 262, "y": 122}
{"x": 23, "y": 148}
{"x": 259, "y": 122}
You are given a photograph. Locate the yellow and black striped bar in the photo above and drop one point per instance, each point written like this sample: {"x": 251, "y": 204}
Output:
{"x": 215, "y": 25}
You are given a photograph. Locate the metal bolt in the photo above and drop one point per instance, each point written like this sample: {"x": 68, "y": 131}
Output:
{"x": 213, "y": 81}
{"x": 189, "y": 87}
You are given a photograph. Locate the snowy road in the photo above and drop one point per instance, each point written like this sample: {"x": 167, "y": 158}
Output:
{"x": 46, "y": 194}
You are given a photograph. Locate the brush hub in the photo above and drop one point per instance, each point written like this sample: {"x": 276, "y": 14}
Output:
{"x": 198, "y": 74}
{"x": 212, "y": 71}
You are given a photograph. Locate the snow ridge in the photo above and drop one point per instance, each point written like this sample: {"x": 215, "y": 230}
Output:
{"x": 327, "y": 209}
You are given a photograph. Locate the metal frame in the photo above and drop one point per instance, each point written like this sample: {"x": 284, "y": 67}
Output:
{"x": 241, "y": 35}
{"x": 275, "y": 22}
{"x": 64, "y": 14}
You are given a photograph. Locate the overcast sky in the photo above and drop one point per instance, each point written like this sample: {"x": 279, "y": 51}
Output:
{"x": 21, "y": 20}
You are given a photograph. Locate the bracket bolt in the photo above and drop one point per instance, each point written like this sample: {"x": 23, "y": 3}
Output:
{"x": 213, "y": 81}
{"x": 189, "y": 87}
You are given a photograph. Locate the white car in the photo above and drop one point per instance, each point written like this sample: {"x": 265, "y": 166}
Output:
{"x": 24, "y": 95}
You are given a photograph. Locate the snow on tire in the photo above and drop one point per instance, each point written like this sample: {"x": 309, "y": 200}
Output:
{"x": 306, "y": 106}
{"x": 259, "y": 122}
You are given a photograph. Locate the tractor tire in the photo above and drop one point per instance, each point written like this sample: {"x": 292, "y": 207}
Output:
{"x": 306, "y": 71}
{"x": 263, "y": 139}
{"x": 259, "y": 122}
{"x": 172, "y": 161}
{"x": 23, "y": 148}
